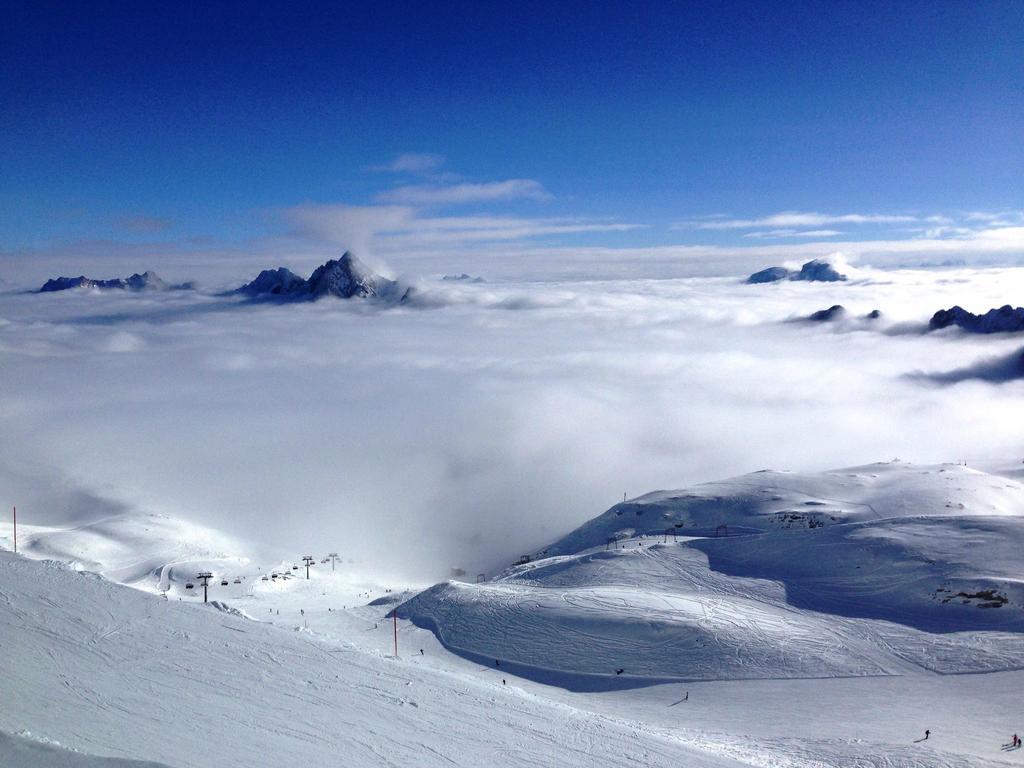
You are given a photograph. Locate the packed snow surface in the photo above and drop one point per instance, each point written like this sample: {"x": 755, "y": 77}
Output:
{"x": 774, "y": 619}
{"x": 862, "y": 571}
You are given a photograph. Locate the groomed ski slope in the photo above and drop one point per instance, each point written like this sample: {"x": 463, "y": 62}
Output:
{"x": 112, "y": 672}
{"x": 23, "y": 751}
{"x": 115, "y": 672}
{"x": 801, "y": 645}
{"x": 869, "y": 571}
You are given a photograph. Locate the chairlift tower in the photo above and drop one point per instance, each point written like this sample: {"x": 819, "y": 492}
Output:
{"x": 308, "y": 560}
{"x": 205, "y": 576}
{"x": 333, "y": 556}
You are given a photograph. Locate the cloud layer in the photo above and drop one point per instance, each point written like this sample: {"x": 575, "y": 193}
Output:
{"x": 466, "y": 192}
{"x": 422, "y": 439}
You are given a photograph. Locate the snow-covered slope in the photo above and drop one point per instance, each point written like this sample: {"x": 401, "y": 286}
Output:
{"x": 769, "y": 500}
{"x": 115, "y": 672}
{"x": 772, "y": 657}
{"x": 22, "y": 751}
{"x": 145, "y": 550}
{"x": 866, "y": 571}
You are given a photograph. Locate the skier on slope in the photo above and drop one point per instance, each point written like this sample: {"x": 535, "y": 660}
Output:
{"x": 927, "y": 733}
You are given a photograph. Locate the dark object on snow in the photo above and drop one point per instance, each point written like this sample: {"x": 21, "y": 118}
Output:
{"x": 835, "y": 312}
{"x": 874, "y": 314}
{"x": 619, "y": 671}
{"x": 1006, "y": 319}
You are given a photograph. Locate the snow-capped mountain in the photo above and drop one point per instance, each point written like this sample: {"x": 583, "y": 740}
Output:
{"x": 273, "y": 282}
{"x": 344, "y": 278}
{"x": 348, "y": 277}
{"x": 147, "y": 281}
{"x": 812, "y": 271}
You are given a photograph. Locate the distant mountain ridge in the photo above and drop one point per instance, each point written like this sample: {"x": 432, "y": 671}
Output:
{"x": 1005, "y": 319}
{"x": 343, "y": 278}
{"x": 147, "y": 281}
{"x": 816, "y": 270}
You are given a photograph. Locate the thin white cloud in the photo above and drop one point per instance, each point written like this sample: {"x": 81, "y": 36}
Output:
{"x": 401, "y": 228}
{"x": 348, "y": 226}
{"x": 996, "y": 218}
{"x": 412, "y": 162}
{"x": 795, "y": 219}
{"x": 515, "y": 229}
{"x": 453, "y": 194}
{"x": 784, "y": 233}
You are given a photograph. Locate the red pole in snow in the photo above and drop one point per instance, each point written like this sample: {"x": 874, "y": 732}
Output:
{"x": 395, "y": 614}
{"x": 15, "y": 529}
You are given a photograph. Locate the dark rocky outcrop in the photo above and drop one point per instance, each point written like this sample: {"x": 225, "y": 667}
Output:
{"x": 273, "y": 282}
{"x": 818, "y": 271}
{"x": 346, "y": 278}
{"x": 1005, "y": 319}
{"x": 835, "y": 312}
{"x": 770, "y": 275}
{"x": 813, "y": 271}
{"x": 147, "y": 281}
{"x": 343, "y": 278}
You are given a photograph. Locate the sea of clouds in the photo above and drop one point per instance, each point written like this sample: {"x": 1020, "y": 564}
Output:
{"x": 487, "y": 419}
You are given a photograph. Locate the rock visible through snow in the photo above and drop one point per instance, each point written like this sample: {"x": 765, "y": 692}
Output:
{"x": 813, "y": 271}
{"x": 344, "y": 278}
{"x": 147, "y": 281}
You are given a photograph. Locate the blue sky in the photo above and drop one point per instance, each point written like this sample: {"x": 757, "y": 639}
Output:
{"x": 622, "y": 126}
